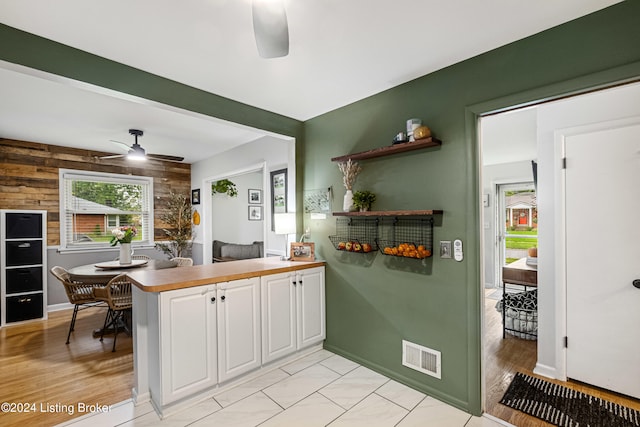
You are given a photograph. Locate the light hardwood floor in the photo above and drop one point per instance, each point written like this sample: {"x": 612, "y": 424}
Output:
{"x": 505, "y": 357}
{"x": 38, "y": 368}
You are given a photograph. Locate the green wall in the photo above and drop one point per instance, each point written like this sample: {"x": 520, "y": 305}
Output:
{"x": 373, "y": 302}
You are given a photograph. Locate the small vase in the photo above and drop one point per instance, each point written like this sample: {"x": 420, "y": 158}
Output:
{"x": 125, "y": 253}
{"x": 364, "y": 208}
{"x": 347, "y": 204}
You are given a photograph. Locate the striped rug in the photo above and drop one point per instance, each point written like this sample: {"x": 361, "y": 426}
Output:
{"x": 564, "y": 407}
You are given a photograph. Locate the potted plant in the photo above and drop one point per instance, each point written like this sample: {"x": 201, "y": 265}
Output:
{"x": 178, "y": 219}
{"x": 363, "y": 200}
{"x": 224, "y": 186}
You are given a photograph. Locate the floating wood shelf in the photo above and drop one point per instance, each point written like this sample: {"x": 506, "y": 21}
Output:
{"x": 390, "y": 213}
{"x": 390, "y": 149}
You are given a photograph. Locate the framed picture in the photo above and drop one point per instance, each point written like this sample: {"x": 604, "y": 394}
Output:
{"x": 302, "y": 251}
{"x": 255, "y": 213}
{"x": 278, "y": 194}
{"x": 195, "y": 196}
{"x": 255, "y": 196}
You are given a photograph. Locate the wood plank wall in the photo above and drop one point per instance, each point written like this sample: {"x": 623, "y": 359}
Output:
{"x": 29, "y": 178}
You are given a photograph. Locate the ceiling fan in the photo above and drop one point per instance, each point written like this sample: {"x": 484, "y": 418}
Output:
{"x": 270, "y": 28}
{"x": 136, "y": 152}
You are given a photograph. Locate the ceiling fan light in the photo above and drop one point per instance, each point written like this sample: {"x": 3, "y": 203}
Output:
{"x": 136, "y": 156}
{"x": 270, "y": 28}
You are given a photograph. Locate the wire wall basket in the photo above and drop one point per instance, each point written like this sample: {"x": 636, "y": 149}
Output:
{"x": 356, "y": 235}
{"x": 407, "y": 238}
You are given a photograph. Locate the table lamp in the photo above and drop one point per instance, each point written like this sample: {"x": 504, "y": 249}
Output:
{"x": 285, "y": 223}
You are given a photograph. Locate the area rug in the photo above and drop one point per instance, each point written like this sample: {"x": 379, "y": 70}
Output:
{"x": 564, "y": 407}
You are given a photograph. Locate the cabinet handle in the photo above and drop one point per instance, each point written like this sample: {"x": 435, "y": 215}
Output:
{"x": 23, "y": 300}
{"x": 213, "y": 300}
{"x": 300, "y": 282}
{"x": 223, "y": 297}
{"x": 24, "y": 245}
{"x": 294, "y": 283}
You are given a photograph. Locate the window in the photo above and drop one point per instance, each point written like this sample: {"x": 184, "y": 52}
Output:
{"x": 93, "y": 203}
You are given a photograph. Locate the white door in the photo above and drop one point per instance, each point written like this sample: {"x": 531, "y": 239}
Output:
{"x": 238, "y": 307}
{"x": 311, "y": 307}
{"x": 278, "y": 316}
{"x": 603, "y": 256}
{"x": 188, "y": 342}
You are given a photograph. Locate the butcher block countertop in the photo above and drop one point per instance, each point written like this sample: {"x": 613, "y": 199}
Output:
{"x": 185, "y": 277}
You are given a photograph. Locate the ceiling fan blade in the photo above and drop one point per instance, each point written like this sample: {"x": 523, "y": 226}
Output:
{"x": 121, "y": 144}
{"x": 165, "y": 157}
{"x": 115, "y": 156}
{"x": 270, "y": 28}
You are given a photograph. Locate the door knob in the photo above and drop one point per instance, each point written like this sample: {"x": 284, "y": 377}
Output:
{"x": 636, "y": 283}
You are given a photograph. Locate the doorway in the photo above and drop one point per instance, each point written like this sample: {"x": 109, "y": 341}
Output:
{"x": 550, "y": 357}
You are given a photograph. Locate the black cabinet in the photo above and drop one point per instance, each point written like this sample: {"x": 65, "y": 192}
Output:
{"x": 23, "y": 286}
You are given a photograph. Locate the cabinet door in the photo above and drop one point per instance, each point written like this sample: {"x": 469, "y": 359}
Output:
{"x": 238, "y": 327}
{"x": 278, "y": 316}
{"x": 188, "y": 341}
{"x": 311, "y": 308}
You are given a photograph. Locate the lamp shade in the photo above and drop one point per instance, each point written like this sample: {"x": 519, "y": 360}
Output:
{"x": 285, "y": 223}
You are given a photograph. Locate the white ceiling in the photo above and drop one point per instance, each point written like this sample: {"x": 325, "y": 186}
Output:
{"x": 341, "y": 51}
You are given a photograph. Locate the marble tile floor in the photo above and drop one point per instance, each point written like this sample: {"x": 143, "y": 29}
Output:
{"x": 322, "y": 389}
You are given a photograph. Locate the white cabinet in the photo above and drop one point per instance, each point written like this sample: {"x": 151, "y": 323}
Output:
{"x": 278, "y": 316}
{"x": 188, "y": 358}
{"x": 238, "y": 327}
{"x": 311, "y": 306}
{"x": 293, "y": 312}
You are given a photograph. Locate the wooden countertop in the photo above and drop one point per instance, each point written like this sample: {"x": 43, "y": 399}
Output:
{"x": 197, "y": 275}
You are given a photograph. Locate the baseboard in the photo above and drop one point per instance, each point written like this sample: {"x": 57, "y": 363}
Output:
{"x": 58, "y": 307}
{"x": 545, "y": 371}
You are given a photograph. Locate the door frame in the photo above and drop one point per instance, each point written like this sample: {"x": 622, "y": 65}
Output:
{"x": 616, "y": 76}
{"x": 561, "y": 288}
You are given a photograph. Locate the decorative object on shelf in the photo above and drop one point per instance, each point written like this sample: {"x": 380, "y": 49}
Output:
{"x": 178, "y": 218}
{"x": 255, "y": 213}
{"x": 412, "y": 125}
{"x": 363, "y": 200}
{"x": 255, "y": 196}
{"x": 195, "y": 196}
{"x": 224, "y": 186}
{"x": 357, "y": 235}
{"x": 408, "y": 238}
{"x": 350, "y": 171}
{"x": 421, "y": 132}
{"x": 278, "y": 194}
{"x": 400, "y": 138}
{"x": 302, "y": 251}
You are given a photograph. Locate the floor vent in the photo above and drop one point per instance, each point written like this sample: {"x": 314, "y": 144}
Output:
{"x": 421, "y": 359}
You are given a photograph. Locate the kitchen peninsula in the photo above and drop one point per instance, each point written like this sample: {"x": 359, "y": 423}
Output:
{"x": 200, "y": 330}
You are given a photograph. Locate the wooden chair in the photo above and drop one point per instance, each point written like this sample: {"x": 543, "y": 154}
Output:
{"x": 183, "y": 262}
{"x": 117, "y": 295}
{"x": 145, "y": 257}
{"x": 79, "y": 292}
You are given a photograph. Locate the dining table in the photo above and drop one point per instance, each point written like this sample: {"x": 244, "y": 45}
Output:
{"x": 100, "y": 273}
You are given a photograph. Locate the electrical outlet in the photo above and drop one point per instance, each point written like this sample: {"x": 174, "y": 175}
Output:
{"x": 445, "y": 249}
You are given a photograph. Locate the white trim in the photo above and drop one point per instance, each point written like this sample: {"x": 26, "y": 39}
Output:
{"x": 72, "y": 174}
{"x": 59, "y": 307}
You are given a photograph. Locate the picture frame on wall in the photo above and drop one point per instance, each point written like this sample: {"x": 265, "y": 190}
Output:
{"x": 195, "y": 196}
{"x": 255, "y": 213}
{"x": 302, "y": 251}
{"x": 278, "y": 194}
{"x": 255, "y": 196}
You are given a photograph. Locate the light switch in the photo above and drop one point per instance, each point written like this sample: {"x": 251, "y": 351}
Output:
{"x": 445, "y": 249}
